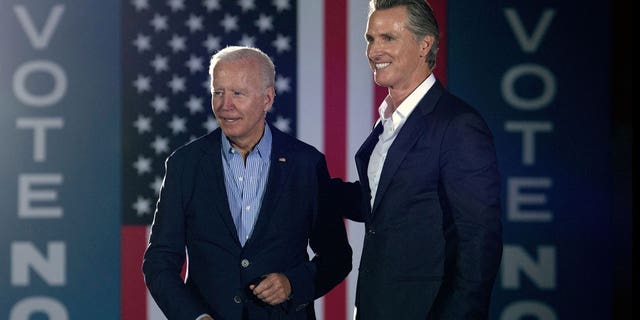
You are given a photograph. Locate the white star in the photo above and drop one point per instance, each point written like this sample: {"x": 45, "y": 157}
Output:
{"x": 140, "y": 4}
{"x": 176, "y": 84}
{"x": 160, "y": 63}
{"x": 143, "y": 124}
{"x": 247, "y": 41}
{"x": 229, "y": 23}
{"x": 281, "y": 43}
{"x": 282, "y": 84}
{"x": 194, "y": 23}
{"x": 177, "y": 43}
{"x": 264, "y": 23}
{"x": 194, "y": 105}
{"x": 282, "y": 124}
{"x": 177, "y": 125}
{"x": 156, "y": 185}
{"x": 160, "y": 144}
{"x": 246, "y": 5}
{"x": 194, "y": 64}
{"x": 211, "y": 4}
{"x": 159, "y": 104}
{"x": 212, "y": 43}
{"x": 281, "y": 5}
{"x": 142, "y": 165}
{"x": 142, "y": 206}
{"x": 211, "y": 124}
{"x": 159, "y": 23}
{"x": 176, "y": 5}
{"x": 142, "y": 83}
{"x": 207, "y": 85}
{"x": 142, "y": 42}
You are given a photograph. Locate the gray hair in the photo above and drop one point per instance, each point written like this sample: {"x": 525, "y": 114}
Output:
{"x": 421, "y": 21}
{"x": 266, "y": 69}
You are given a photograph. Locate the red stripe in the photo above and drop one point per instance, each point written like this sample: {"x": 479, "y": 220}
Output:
{"x": 440, "y": 9}
{"x": 133, "y": 295}
{"x": 335, "y": 119}
{"x": 379, "y": 93}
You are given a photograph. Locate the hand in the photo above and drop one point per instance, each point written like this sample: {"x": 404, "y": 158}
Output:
{"x": 274, "y": 288}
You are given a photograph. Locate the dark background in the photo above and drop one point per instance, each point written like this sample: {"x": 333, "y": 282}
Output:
{"x": 622, "y": 154}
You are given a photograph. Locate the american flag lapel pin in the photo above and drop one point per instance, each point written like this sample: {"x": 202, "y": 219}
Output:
{"x": 282, "y": 159}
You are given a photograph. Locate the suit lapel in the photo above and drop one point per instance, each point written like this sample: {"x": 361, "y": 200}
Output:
{"x": 279, "y": 170}
{"x": 412, "y": 129}
{"x": 213, "y": 174}
{"x": 364, "y": 154}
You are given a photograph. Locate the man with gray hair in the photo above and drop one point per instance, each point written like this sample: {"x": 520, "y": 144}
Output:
{"x": 243, "y": 203}
{"x": 429, "y": 183}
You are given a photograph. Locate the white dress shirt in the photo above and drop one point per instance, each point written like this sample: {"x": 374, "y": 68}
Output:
{"x": 392, "y": 126}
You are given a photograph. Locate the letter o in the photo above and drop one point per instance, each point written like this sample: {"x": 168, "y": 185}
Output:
{"x": 26, "y": 97}
{"x": 27, "y": 307}
{"x": 548, "y": 81}
{"x": 517, "y": 310}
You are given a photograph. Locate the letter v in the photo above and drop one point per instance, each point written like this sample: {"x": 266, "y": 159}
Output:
{"x": 529, "y": 44}
{"x": 39, "y": 40}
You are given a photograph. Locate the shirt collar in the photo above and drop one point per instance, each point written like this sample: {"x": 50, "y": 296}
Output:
{"x": 263, "y": 148}
{"x": 410, "y": 103}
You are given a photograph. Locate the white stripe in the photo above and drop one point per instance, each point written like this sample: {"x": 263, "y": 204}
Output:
{"x": 310, "y": 101}
{"x": 359, "y": 115}
{"x": 310, "y": 84}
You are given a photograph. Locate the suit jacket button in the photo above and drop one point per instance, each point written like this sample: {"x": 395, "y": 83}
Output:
{"x": 237, "y": 299}
{"x": 301, "y": 307}
{"x": 244, "y": 263}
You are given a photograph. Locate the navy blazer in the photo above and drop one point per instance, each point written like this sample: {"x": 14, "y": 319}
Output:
{"x": 432, "y": 243}
{"x": 193, "y": 213}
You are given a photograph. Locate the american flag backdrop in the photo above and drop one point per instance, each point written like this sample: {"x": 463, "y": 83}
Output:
{"x": 324, "y": 96}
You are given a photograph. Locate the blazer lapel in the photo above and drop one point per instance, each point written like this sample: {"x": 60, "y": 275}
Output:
{"x": 364, "y": 154}
{"x": 279, "y": 170}
{"x": 213, "y": 174}
{"x": 407, "y": 137}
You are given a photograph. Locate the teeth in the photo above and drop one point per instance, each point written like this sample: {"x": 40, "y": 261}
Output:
{"x": 382, "y": 65}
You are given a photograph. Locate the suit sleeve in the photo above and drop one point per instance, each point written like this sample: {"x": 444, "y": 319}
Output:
{"x": 472, "y": 186}
{"x": 328, "y": 240}
{"x": 333, "y": 255}
{"x": 347, "y": 198}
{"x": 165, "y": 255}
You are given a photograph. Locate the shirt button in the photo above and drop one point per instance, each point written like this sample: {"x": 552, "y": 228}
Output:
{"x": 237, "y": 299}
{"x": 241, "y": 179}
{"x": 248, "y": 208}
{"x": 244, "y": 263}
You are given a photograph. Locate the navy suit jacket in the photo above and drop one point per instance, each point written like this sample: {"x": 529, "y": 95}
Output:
{"x": 432, "y": 242}
{"x": 193, "y": 214}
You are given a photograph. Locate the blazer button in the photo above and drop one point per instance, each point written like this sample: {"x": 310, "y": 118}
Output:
{"x": 244, "y": 263}
{"x": 237, "y": 299}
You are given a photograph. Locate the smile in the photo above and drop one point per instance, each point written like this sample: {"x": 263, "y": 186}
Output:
{"x": 382, "y": 65}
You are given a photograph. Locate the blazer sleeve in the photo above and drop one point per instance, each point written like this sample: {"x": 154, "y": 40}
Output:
{"x": 347, "y": 199}
{"x": 472, "y": 186}
{"x": 165, "y": 255}
{"x": 333, "y": 254}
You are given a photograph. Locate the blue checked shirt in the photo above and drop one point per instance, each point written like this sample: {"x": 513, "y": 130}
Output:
{"x": 246, "y": 184}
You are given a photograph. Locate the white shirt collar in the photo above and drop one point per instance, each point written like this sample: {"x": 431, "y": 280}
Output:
{"x": 406, "y": 107}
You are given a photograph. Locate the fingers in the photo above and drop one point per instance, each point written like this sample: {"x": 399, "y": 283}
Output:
{"x": 273, "y": 289}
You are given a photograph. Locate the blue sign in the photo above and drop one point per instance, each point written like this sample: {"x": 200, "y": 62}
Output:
{"x": 60, "y": 164}
{"x": 539, "y": 72}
